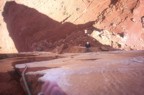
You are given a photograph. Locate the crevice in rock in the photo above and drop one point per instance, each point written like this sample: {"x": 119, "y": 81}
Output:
{"x": 114, "y": 2}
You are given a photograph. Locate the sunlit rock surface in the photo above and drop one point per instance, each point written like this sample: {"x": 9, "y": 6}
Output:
{"x": 101, "y": 73}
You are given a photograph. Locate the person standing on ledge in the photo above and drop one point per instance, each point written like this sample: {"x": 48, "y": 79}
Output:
{"x": 87, "y": 45}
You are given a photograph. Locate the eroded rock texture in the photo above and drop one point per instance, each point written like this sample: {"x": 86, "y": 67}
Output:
{"x": 44, "y": 25}
{"x": 101, "y": 73}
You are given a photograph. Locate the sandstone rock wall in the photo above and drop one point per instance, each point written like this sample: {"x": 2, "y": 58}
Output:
{"x": 34, "y": 21}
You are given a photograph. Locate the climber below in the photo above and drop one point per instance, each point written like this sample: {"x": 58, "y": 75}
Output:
{"x": 87, "y": 45}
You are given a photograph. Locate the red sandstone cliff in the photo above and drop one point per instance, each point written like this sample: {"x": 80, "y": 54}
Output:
{"x": 42, "y": 24}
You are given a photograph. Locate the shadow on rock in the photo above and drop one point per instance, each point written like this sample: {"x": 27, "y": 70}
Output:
{"x": 30, "y": 29}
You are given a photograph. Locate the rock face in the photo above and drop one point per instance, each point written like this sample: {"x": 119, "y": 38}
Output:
{"x": 6, "y": 43}
{"x": 36, "y": 24}
{"x": 97, "y": 73}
